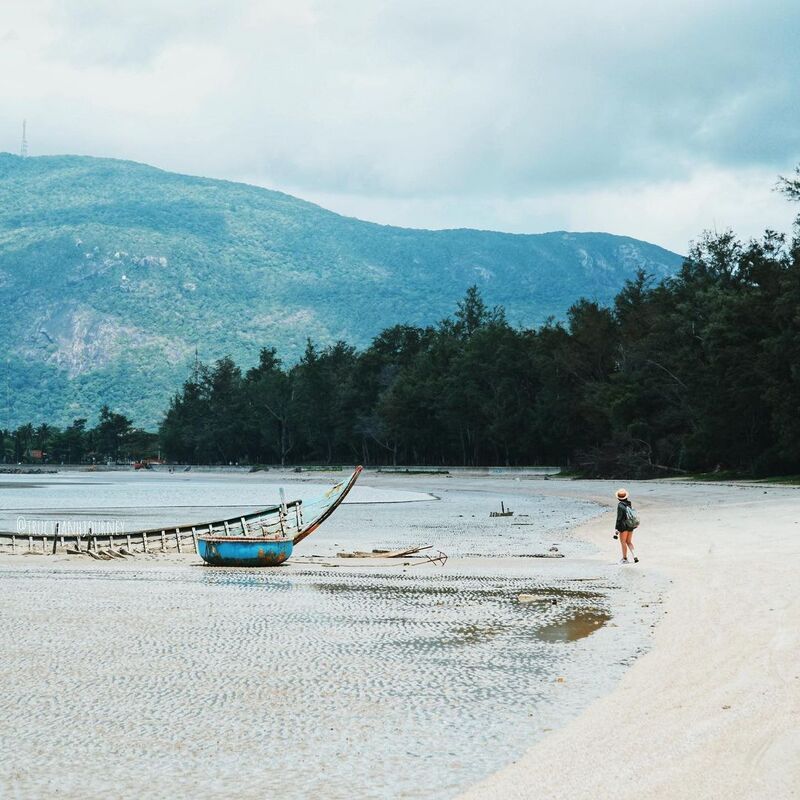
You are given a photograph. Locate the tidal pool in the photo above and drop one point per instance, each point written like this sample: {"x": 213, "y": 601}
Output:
{"x": 207, "y": 683}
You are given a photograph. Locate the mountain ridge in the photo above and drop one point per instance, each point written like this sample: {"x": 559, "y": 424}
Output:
{"x": 112, "y": 272}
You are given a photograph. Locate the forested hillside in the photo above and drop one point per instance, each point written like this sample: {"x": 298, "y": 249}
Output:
{"x": 699, "y": 372}
{"x": 113, "y": 273}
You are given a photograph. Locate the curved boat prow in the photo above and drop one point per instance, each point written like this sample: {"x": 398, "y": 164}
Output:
{"x": 335, "y": 495}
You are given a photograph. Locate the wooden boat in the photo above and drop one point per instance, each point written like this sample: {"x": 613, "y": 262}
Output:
{"x": 261, "y": 538}
{"x": 266, "y": 538}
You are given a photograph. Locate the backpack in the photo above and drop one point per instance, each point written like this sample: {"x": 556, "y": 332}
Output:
{"x": 631, "y": 517}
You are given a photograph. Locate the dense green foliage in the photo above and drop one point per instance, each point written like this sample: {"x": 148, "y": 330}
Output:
{"x": 112, "y": 273}
{"x": 696, "y": 372}
{"x": 112, "y": 439}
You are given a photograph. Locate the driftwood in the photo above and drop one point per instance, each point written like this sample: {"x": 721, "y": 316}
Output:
{"x": 440, "y": 559}
{"x": 503, "y": 512}
{"x": 408, "y": 551}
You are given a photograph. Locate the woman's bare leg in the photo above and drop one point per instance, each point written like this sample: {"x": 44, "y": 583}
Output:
{"x": 623, "y": 541}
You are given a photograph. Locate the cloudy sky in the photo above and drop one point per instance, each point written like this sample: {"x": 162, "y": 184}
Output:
{"x": 655, "y": 120}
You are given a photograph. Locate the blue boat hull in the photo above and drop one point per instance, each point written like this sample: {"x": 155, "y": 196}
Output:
{"x": 231, "y": 551}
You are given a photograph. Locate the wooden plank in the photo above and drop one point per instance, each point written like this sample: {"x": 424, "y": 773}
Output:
{"x": 408, "y": 551}
{"x": 194, "y": 538}
{"x": 130, "y": 546}
{"x": 55, "y": 538}
{"x": 178, "y": 539}
{"x": 144, "y": 542}
{"x": 163, "y": 541}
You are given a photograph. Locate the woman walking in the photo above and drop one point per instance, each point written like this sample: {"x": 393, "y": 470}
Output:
{"x": 626, "y": 523}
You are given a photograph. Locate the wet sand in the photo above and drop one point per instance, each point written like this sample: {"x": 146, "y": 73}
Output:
{"x": 713, "y": 710}
{"x": 328, "y": 678}
{"x": 702, "y": 690}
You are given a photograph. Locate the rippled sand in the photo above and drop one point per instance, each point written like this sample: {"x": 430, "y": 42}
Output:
{"x": 154, "y": 679}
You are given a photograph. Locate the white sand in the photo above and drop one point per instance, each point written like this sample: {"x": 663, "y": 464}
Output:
{"x": 713, "y": 710}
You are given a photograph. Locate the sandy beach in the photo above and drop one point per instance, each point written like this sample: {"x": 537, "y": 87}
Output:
{"x": 692, "y": 690}
{"x": 713, "y": 710}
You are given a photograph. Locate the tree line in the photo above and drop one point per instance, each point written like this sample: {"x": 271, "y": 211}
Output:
{"x": 698, "y": 372}
{"x": 113, "y": 439}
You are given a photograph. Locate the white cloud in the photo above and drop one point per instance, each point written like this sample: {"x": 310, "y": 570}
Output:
{"x": 669, "y": 213}
{"x": 646, "y": 119}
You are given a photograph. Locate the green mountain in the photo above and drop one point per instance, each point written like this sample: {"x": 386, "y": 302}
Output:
{"x": 112, "y": 273}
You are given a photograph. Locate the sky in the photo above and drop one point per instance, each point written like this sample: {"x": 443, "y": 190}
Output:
{"x": 654, "y": 120}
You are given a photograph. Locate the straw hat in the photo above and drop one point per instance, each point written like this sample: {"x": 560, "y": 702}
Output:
{"x": 622, "y": 494}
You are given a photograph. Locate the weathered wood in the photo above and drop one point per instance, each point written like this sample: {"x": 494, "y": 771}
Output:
{"x": 30, "y": 544}
{"x": 55, "y": 539}
{"x": 163, "y": 541}
{"x": 503, "y": 512}
{"x": 282, "y": 512}
{"x": 408, "y": 551}
{"x": 178, "y": 539}
{"x": 13, "y": 544}
{"x": 194, "y": 538}
{"x": 144, "y": 542}
{"x": 130, "y": 546}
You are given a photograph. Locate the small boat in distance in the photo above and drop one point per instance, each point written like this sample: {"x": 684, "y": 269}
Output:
{"x": 266, "y": 538}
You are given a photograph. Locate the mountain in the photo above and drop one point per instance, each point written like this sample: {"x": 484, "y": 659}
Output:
{"x": 112, "y": 273}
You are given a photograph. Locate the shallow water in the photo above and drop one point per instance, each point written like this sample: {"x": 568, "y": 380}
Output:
{"x": 297, "y": 682}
